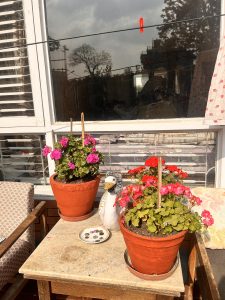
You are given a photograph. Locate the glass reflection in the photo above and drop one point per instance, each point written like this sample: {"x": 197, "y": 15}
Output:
{"x": 164, "y": 72}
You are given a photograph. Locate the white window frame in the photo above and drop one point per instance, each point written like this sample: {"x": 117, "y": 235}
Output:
{"x": 39, "y": 61}
{"x": 36, "y": 28}
{"x": 38, "y": 118}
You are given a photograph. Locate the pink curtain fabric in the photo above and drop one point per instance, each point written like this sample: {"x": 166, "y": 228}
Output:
{"x": 215, "y": 109}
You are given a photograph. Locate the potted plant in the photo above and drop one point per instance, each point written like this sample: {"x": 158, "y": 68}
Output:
{"x": 76, "y": 180}
{"x": 159, "y": 211}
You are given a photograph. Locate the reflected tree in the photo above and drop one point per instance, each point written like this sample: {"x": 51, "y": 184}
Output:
{"x": 95, "y": 62}
{"x": 192, "y": 35}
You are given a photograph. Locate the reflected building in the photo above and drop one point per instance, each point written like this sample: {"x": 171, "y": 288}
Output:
{"x": 202, "y": 76}
{"x": 170, "y": 73}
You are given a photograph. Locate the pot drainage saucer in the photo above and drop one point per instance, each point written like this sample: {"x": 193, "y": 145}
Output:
{"x": 147, "y": 276}
{"x": 94, "y": 235}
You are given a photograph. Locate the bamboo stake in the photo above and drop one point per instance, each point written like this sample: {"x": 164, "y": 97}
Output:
{"x": 71, "y": 126}
{"x": 159, "y": 181}
{"x": 82, "y": 125}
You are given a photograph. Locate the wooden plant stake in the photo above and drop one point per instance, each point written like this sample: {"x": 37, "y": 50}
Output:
{"x": 159, "y": 181}
{"x": 71, "y": 126}
{"x": 82, "y": 125}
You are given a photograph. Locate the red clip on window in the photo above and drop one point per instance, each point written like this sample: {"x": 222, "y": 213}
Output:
{"x": 141, "y": 23}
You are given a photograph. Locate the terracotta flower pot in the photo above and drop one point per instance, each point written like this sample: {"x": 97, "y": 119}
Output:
{"x": 75, "y": 201}
{"x": 151, "y": 255}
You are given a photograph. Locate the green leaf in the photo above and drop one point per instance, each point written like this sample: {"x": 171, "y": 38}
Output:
{"x": 165, "y": 213}
{"x": 127, "y": 218}
{"x": 179, "y": 227}
{"x": 167, "y": 230}
{"x": 179, "y": 210}
{"x": 159, "y": 222}
{"x": 150, "y": 221}
{"x": 142, "y": 213}
{"x": 135, "y": 222}
{"x": 139, "y": 206}
{"x": 173, "y": 220}
{"x": 152, "y": 228}
{"x": 169, "y": 203}
{"x": 192, "y": 228}
{"x": 181, "y": 219}
{"x": 177, "y": 204}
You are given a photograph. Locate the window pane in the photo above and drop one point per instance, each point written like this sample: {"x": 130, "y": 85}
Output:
{"x": 15, "y": 85}
{"x": 21, "y": 159}
{"x": 194, "y": 152}
{"x": 163, "y": 72}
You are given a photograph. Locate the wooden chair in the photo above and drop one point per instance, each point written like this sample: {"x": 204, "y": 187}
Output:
{"x": 16, "y": 216}
{"x": 200, "y": 282}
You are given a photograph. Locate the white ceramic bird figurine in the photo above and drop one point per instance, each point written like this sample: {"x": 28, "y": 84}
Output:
{"x": 108, "y": 212}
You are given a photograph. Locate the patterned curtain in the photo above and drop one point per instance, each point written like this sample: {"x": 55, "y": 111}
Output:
{"x": 215, "y": 109}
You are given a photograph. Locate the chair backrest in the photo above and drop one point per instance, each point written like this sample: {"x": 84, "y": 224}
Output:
{"x": 16, "y": 202}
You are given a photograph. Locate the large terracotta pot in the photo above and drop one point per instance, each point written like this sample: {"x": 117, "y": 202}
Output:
{"x": 75, "y": 201}
{"x": 151, "y": 255}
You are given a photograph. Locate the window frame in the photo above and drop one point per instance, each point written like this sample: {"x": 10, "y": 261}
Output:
{"x": 37, "y": 119}
{"x": 45, "y": 119}
{"x": 38, "y": 60}
{"x": 36, "y": 19}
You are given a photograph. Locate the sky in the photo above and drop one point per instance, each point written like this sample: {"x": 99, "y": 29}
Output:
{"x": 67, "y": 18}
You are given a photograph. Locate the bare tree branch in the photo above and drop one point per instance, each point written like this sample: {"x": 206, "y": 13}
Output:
{"x": 93, "y": 60}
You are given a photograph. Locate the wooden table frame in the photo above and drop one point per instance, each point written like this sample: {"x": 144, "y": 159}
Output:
{"x": 62, "y": 264}
{"x": 79, "y": 289}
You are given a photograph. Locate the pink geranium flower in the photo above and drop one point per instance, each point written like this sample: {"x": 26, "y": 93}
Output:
{"x": 179, "y": 190}
{"x": 187, "y": 192}
{"x": 46, "y": 150}
{"x": 122, "y": 201}
{"x": 64, "y": 141}
{"x": 89, "y": 140}
{"x": 205, "y": 213}
{"x": 198, "y": 201}
{"x": 170, "y": 187}
{"x": 56, "y": 154}
{"x": 92, "y": 158}
{"x": 207, "y": 218}
{"x": 208, "y": 221}
{"x": 135, "y": 188}
{"x": 137, "y": 195}
{"x": 71, "y": 156}
{"x": 164, "y": 190}
{"x": 125, "y": 191}
{"x": 71, "y": 165}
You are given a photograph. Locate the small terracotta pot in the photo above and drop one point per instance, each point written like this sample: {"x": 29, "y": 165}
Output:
{"x": 75, "y": 200}
{"x": 151, "y": 255}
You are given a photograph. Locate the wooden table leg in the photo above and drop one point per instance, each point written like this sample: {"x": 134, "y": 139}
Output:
{"x": 44, "y": 292}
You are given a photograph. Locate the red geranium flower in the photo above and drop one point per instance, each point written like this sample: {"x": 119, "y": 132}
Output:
{"x": 149, "y": 179}
{"x": 152, "y": 162}
{"x": 183, "y": 174}
{"x": 136, "y": 170}
{"x": 171, "y": 168}
{"x": 177, "y": 171}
